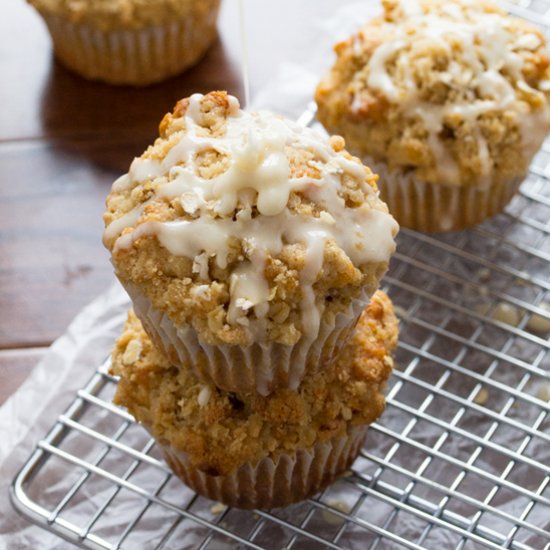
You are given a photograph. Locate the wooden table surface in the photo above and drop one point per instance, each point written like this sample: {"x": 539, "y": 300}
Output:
{"x": 63, "y": 140}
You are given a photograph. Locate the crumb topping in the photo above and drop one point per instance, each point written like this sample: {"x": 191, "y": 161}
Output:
{"x": 261, "y": 224}
{"x": 126, "y": 14}
{"x": 220, "y": 431}
{"x": 457, "y": 92}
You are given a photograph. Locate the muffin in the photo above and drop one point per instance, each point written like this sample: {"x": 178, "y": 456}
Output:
{"x": 447, "y": 101}
{"x": 248, "y": 244}
{"x": 252, "y": 451}
{"x": 135, "y": 42}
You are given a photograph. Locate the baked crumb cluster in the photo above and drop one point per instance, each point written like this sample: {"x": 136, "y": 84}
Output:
{"x": 220, "y": 431}
{"x": 123, "y": 14}
{"x": 455, "y": 92}
{"x": 264, "y": 227}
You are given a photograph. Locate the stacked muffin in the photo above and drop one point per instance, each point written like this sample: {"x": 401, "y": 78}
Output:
{"x": 448, "y": 101}
{"x": 250, "y": 247}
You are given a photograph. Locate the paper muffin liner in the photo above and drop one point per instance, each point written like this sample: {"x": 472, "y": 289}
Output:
{"x": 436, "y": 208}
{"x": 134, "y": 56}
{"x": 273, "y": 482}
{"x": 259, "y": 367}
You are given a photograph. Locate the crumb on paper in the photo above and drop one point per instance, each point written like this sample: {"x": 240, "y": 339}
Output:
{"x": 503, "y": 313}
{"x": 544, "y": 392}
{"x": 332, "y": 518}
{"x": 537, "y": 323}
{"x": 481, "y": 397}
{"x": 484, "y": 275}
{"x": 218, "y": 508}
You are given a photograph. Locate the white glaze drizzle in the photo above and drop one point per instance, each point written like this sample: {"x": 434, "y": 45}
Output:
{"x": 411, "y": 7}
{"x": 258, "y": 169}
{"x": 488, "y": 49}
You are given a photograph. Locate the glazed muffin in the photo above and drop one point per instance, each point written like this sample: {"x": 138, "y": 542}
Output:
{"x": 135, "y": 42}
{"x": 252, "y": 451}
{"x": 248, "y": 244}
{"x": 448, "y": 102}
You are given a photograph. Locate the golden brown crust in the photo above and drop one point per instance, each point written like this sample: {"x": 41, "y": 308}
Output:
{"x": 228, "y": 430}
{"x": 389, "y": 131}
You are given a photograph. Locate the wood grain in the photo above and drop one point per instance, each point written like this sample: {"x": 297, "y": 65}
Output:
{"x": 50, "y": 234}
{"x": 46, "y": 100}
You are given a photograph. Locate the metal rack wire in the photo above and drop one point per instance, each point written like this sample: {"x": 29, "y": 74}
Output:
{"x": 460, "y": 458}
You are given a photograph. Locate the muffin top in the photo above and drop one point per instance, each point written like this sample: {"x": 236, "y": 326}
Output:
{"x": 220, "y": 431}
{"x": 247, "y": 226}
{"x": 123, "y": 14}
{"x": 456, "y": 92}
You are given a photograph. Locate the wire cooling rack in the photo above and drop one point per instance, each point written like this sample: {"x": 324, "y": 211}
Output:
{"x": 460, "y": 457}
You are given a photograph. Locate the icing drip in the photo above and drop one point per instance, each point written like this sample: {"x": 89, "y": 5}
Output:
{"x": 260, "y": 165}
{"x": 411, "y": 7}
{"x": 258, "y": 173}
{"x": 379, "y": 79}
{"x": 489, "y": 53}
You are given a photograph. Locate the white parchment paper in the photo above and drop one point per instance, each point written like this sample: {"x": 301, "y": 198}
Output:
{"x": 29, "y": 413}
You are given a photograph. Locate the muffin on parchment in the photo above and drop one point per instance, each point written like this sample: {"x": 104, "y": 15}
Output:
{"x": 447, "y": 102}
{"x": 136, "y": 42}
{"x": 252, "y": 451}
{"x": 248, "y": 244}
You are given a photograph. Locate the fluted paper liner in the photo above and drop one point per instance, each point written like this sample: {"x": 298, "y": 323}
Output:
{"x": 134, "y": 56}
{"x": 259, "y": 367}
{"x": 273, "y": 482}
{"x": 435, "y": 208}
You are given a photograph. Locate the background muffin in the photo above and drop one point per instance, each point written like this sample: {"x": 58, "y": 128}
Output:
{"x": 449, "y": 100}
{"x": 134, "y": 42}
{"x": 255, "y": 451}
{"x": 249, "y": 244}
